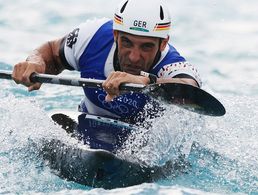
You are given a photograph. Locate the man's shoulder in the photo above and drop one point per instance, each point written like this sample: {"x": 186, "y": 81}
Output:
{"x": 83, "y": 36}
{"x": 84, "y": 32}
{"x": 96, "y": 27}
{"x": 168, "y": 56}
{"x": 95, "y": 23}
{"x": 172, "y": 49}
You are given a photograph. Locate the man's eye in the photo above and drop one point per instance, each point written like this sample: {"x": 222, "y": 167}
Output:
{"x": 147, "y": 46}
{"x": 126, "y": 43}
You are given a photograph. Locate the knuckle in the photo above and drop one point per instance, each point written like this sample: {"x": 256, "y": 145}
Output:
{"x": 123, "y": 74}
{"x": 36, "y": 86}
{"x": 24, "y": 78}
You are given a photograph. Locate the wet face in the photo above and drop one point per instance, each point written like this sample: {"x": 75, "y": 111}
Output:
{"x": 137, "y": 53}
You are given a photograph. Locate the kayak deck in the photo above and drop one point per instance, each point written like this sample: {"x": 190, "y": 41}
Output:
{"x": 98, "y": 167}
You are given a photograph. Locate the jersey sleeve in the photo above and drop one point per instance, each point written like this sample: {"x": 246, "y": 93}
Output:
{"x": 74, "y": 44}
{"x": 180, "y": 69}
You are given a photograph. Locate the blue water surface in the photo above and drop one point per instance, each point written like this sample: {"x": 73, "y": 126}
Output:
{"x": 219, "y": 37}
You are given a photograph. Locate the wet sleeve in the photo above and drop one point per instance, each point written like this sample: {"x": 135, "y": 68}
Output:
{"x": 180, "y": 70}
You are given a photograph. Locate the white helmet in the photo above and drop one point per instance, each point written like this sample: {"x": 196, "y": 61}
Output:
{"x": 143, "y": 17}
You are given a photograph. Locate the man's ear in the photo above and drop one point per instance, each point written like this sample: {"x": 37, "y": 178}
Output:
{"x": 164, "y": 43}
{"x": 115, "y": 33}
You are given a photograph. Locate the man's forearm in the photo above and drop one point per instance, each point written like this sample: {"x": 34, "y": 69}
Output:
{"x": 178, "y": 80}
{"x": 47, "y": 56}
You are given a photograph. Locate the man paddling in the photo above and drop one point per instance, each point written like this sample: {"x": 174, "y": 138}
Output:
{"x": 131, "y": 48}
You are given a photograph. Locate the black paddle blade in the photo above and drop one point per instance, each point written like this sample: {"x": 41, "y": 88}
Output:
{"x": 187, "y": 96}
{"x": 68, "y": 124}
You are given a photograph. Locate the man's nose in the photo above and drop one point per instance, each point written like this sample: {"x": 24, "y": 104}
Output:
{"x": 134, "y": 56}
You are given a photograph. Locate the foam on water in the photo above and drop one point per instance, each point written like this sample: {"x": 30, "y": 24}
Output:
{"x": 227, "y": 160}
{"x": 23, "y": 127}
{"x": 234, "y": 141}
{"x": 144, "y": 189}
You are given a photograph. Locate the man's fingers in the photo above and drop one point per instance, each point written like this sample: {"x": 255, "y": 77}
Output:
{"x": 109, "y": 98}
{"x": 112, "y": 92}
{"x": 112, "y": 83}
{"x": 16, "y": 74}
{"x": 108, "y": 81}
{"x": 33, "y": 87}
{"x": 22, "y": 72}
{"x": 26, "y": 76}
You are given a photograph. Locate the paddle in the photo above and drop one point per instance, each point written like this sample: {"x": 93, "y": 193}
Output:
{"x": 187, "y": 96}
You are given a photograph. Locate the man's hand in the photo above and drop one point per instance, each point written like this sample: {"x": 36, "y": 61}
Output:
{"x": 44, "y": 59}
{"x": 23, "y": 70}
{"x": 115, "y": 79}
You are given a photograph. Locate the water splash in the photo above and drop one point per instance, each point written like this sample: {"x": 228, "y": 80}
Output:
{"x": 224, "y": 149}
{"x": 169, "y": 137}
{"x": 226, "y": 160}
{"x": 23, "y": 126}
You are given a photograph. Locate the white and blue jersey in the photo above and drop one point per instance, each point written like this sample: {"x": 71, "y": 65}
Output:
{"x": 90, "y": 49}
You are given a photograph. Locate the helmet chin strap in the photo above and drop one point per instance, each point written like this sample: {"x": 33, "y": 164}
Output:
{"x": 116, "y": 63}
{"x": 158, "y": 55}
{"x": 116, "y": 60}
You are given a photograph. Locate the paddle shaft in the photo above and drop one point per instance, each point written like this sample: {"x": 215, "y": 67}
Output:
{"x": 80, "y": 82}
{"x": 187, "y": 96}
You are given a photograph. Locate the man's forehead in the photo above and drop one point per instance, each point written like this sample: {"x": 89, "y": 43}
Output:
{"x": 132, "y": 36}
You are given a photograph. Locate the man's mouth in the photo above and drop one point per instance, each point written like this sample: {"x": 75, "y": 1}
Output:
{"x": 132, "y": 70}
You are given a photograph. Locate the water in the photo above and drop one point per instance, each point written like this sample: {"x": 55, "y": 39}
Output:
{"x": 220, "y": 37}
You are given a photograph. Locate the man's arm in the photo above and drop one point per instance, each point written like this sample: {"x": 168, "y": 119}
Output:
{"x": 188, "y": 81}
{"x": 45, "y": 59}
{"x": 115, "y": 79}
{"x": 179, "y": 72}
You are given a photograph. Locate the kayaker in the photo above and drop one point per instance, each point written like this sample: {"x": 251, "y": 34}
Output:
{"x": 131, "y": 48}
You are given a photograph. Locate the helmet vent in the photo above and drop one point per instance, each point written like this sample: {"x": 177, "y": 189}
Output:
{"x": 123, "y": 8}
{"x": 161, "y": 13}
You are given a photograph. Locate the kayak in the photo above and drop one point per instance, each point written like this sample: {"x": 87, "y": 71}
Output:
{"x": 95, "y": 163}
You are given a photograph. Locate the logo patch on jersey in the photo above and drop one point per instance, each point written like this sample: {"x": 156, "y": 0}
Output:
{"x": 72, "y": 38}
